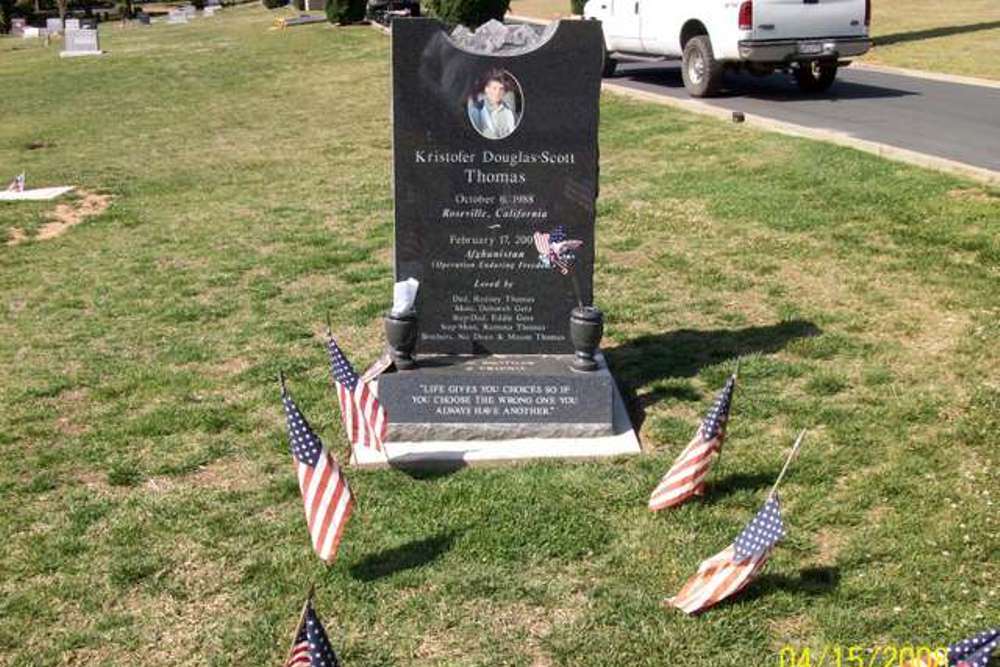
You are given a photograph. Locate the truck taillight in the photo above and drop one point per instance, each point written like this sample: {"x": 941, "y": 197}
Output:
{"x": 746, "y": 15}
{"x": 868, "y": 13}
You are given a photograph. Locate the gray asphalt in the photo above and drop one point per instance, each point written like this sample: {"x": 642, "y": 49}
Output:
{"x": 950, "y": 120}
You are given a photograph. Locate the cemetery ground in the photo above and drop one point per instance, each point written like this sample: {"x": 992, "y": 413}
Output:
{"x": 151, "y": 512}
{"x": 959, "y": 37}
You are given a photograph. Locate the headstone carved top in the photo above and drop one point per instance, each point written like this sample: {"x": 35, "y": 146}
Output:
{"x": 72, "y": 24}
{"x": 54, "y": 26}
{"x": 495, "y": 164}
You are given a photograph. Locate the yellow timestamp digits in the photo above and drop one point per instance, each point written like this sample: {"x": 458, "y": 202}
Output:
{"x": 839, "y": 655}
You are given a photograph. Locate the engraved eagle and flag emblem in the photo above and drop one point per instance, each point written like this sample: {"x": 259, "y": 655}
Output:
{"x": 557, "y": 251}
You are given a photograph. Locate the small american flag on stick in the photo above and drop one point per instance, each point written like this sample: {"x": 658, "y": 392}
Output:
{"x": 730, "y": 570}
{"x": 972, "y": 652}
{"x": 17, "y": 185}
{"x": 311, "y": 647}
{"x": 364, "y": 417}
{"x": 686, "y": 477}
{"x": 325, "y": 494}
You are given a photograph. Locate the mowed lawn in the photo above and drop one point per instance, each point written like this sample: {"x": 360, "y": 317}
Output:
{"x": 150, "y": 510}
{"x": 958, "y": 37}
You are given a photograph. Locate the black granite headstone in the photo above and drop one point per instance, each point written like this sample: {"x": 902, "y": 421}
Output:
{"x": 488, "y": 151}
{"x": 495, "y": 166}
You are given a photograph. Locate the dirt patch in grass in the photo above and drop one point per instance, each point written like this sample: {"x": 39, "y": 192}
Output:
{"x": 973, "y": 194}
{"x": 829, "y": 543}
{"x": 791, "y": 630}
{"x": 63, "y": 217}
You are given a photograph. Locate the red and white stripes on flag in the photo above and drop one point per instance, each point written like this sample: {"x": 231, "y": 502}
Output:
{"x": 300, "y": 655}
{"x": 328, "y": 503}
{"x": 717, "y": 578}
{"x": 363, "y": 417}
{"x": 686, "y": 477}
{"x": 365, "y": 421}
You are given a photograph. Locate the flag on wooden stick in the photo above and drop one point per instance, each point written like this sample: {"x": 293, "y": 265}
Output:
{"x": 686, "y": 477}
{"x": 327, "y": 497}
{"x": 730, "y": 570}
{"x": 364, "y": 418}
{"x": 311, "y": 647}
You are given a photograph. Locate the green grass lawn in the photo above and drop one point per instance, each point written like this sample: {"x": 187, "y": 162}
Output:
{"x": 150, "y": 512}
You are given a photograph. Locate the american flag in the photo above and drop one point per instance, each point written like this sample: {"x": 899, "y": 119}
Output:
{"x": 555, "y": 250}
{"x": 364, "y": 417}
{"x": 686, "y": 477}
{"x": 17, "y": 185}
{"x": 972, "y": 652}
{"x": 311, "y": 647}
{"x": 327, "y": 497}
{"x": 730, "y": 570}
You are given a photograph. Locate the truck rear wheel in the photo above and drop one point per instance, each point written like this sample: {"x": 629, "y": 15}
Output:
{"x": 815, "y": 76}
{"x": 701, "y": 72}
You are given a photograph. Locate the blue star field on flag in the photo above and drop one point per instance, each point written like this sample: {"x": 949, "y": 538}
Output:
{"x": 717, "y": 417}
{"x": 341, "y": 368}
{"x": 304, "y": 444}
{"x": 763, "y": 532}
{"x": 974, "y": 651}
{"x": 311, "y": 646}
{"x": 558, "y": 234}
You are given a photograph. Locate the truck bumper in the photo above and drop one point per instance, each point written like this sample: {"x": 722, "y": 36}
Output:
{"x": 788, "y": 50}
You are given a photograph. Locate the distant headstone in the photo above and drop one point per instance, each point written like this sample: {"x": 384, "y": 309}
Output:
{"x": 54, "y": 26}
{"x": 80, "y": 43}
{"x": 177, "y": 16}
{"x": 17, "y": 27}
{"x": 31, "y": 32}
{"x": 209, "y": 10}
{"x": 72, "y": 24}
{"x": 190, "y": 10}
{"x": 143, "y": 18}
{"x": 213, "y": 3}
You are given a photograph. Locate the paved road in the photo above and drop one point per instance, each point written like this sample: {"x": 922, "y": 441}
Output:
{"x": 950, "y": 120}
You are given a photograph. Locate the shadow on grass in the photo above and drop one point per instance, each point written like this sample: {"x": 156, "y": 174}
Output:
{"x": 404, "y": 557}
{"x": 810, "y": 582}
{"x": 931, "y": 33}
{"x": 738, "y": 482}
{"x": 683, "y": 353}
{"x": 427, "y": 466}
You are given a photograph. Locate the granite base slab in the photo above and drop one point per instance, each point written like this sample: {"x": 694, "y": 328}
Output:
{"x": 619, "y": 439}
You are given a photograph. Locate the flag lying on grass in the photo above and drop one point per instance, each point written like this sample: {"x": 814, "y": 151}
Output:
{"x": 686, "y": 477}
{"x": 730, "y": 570}
{"x": 17, "y": 185}
{"x": 327, "y": 497}
{"x": 972, "y": 652}
{"x": 311, "y": 647}
{"x": 364, "y": 418}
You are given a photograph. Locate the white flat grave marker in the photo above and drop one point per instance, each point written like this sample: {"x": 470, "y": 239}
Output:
{"x": 80, "y": 43}
{"x": 35, "y": 194}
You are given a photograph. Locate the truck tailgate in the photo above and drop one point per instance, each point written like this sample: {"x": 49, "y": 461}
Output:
{"x": 798, "y": 19}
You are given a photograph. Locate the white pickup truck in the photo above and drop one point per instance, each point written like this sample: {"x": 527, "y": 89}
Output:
{"x": 809, "y": 38}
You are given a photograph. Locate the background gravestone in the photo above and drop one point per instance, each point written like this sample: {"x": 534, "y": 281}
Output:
{"x": 17, "y": 27}
{"x": 72, "y": 24}
{"x": 54, "y": 26}
{"x": 80, "y": 43}
{"x": 177, "y": 16}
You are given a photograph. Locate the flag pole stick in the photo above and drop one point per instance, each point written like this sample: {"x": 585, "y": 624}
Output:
{"x": 736, "y": 373}
{"x": 302, "y": 619}
{"x": 788, "y": 461}
{"x": 281, "y": 381}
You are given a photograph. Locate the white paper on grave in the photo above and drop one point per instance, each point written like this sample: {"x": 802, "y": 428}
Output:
{"x": 404, "y": 295}
{"x": 37, "y": 194}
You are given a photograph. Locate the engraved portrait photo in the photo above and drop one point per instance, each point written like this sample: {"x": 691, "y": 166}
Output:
{"x": 495, "y": 104}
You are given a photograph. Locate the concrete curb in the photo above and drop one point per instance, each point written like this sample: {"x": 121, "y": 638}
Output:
{"x": 924, "y": 74}
{"x": 979, "y": 174}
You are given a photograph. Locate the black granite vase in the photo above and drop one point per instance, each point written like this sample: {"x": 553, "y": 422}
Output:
{"x": 586, "y": 327}
{"x": 401, "y": 334}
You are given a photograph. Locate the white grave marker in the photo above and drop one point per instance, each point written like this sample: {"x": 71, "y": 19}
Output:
{"x": 80, "y": 43}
